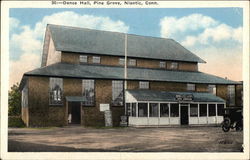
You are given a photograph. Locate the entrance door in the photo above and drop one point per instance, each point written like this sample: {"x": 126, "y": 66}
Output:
{"x": 184, "y": 114}
{"x": 74, "y": 113}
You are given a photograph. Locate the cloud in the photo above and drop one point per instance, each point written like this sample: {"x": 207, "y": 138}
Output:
{"x": 172, "y": 26}
{"x": 219, "y": 44}
{"x": 27, "y": 62}
{"x": 26, "y": 44}
{"x": 14, "y": 23}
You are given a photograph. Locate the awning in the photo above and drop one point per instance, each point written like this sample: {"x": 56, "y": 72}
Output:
{"x": 163, "y": 96}
{"x": 75, "y": 98}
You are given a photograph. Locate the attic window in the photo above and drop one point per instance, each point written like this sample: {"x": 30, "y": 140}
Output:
{"x": 132, "y": 62}
{"x": 144, "y": 85}
{"x": 96, "y": 59}
{"x": 83, "y": 59}
{"x": 191, "y": 87}
{"x": 121, "y": 61}
{"x": 162, "y": 64}
{"x": 174, "y": 65}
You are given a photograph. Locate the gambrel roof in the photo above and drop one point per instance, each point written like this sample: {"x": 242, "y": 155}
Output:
{"x": 82, "y": 40}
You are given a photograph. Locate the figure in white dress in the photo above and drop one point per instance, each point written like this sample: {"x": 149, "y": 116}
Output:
{"x": 69, "y": 118}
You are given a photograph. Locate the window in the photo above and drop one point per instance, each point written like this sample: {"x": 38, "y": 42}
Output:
{"x": 174, "y": 65}
{"x": 88, "y": 91}
{"x": 121, "y": 61}
{"x": 211, "y": 110}
{"x": 117, "y": 93}
{"x": 96, "y": 59}
{"x": 25, "y": 96}
{"x": 212, "y": 89}
{"x": 203, "y": 110}
{"x": 174, "y": 110}
{"x": 143, "y": 85}
{"x": 142, "y": 110}
{"x": 231, "y": 95}
{"x": 56, "y": 91}
{"x": 83, "y": 59}
{"x": 153, "y": 110}
{"x": 193, "y": 110}
{"x": 164, "y": 109}
{"x": 191, "y": 87}
{"x": 132, "y": 62}
{"x": 220, "y": 108}
{"x": 162, "y": 64}
{"x": 131, "y": 109}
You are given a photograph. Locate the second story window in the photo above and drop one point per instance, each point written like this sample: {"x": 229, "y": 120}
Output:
{"x": 88, "y": 91}
{"x": 56, "y": 91}
{"x": 143, "y": 85}
{"x": 174, "y": 65}
{"x": 212, "y": 89}
{"x": 231, "y": 95}
{"x": 132, "y": 62}
{"x": 83, "y": 59}
{"x": 121, "y": 61}
{"x": 191, "y": 87}
{"x": 162, "y": 64}
{"x": 96, "y": 59}
{"x": 117, "y": 93}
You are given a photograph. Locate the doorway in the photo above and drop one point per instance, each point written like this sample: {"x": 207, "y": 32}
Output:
{"x": 74, "y": 112}
{"x": 184, "y": 114}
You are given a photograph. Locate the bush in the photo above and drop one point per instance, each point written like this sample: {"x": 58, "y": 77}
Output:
{"x": 15, "y": 121}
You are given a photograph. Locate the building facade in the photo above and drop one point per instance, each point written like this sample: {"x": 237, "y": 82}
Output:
{"x": 86, "y": 73}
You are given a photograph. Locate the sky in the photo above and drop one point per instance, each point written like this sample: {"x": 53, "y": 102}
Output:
{"x": 213, "y": 34}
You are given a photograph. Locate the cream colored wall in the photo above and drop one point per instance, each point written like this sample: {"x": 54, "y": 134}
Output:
{"x": 53, "y": 55}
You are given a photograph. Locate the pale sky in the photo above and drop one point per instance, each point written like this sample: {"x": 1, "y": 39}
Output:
{"x": 214, "y": 34}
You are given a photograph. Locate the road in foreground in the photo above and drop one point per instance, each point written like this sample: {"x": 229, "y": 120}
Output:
{"x": 81, "y": 139}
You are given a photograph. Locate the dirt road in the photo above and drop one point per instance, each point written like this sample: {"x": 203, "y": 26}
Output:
{"x": 81, "y": 139}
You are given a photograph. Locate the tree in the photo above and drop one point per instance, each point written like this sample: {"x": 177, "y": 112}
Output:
{"x": 14, "y": 101}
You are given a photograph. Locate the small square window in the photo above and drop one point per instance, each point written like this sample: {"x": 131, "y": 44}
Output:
{"x": 83, "y": 59}
{"x": 96, "y": 59}
{"x": 191, "y": 87}
{"x": 143, "y": 85}
{"x": 121, "y": 61}
{"x": 174, "y": 65}
{"x": 212, "y": 89}
{"x": 132, "y": 62}
{"x": 162, "y": 64}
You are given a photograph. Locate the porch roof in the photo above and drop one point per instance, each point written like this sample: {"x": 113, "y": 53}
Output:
{"x": 163, "y": 96}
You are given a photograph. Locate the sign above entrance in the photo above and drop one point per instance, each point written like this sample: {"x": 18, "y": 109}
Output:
{"x": 187, "y": 97}
{"x": 104, "y": 107}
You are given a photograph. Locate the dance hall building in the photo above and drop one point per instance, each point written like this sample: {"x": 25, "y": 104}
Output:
{"x": 90, "y": 76}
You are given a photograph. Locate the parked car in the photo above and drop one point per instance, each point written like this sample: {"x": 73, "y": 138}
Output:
{"x": 232, "y": 119}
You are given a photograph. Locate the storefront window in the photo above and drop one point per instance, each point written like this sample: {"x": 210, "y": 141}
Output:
{"x": 133, "y": 109}
{"x": 153, "y": 110}
{"x": 128, "y": 109}
{"x": 203, "y": 110}
{"x": 164, "y": 109}
{"x": 211, "y": 110}
{"x": 220, "y": 109}
{"x": 193, "y": 110}
{"x": 142, "y": 110}
{"x": 174, "y": 110}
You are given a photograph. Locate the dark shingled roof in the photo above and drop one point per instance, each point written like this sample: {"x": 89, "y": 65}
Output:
{"x": 151, "y": 95}
{"x": 112, "y": 72}
{"x": 82, "y": 40}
